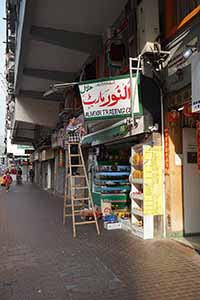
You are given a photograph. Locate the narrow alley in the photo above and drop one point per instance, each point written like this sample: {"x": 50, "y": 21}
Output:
{"x": 39, "y": 259}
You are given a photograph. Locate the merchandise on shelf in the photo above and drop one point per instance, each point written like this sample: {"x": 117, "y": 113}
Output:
{"x": 111, "y": 184}
{"x": 138, "y": 219}
{"x": 146, "y": 188}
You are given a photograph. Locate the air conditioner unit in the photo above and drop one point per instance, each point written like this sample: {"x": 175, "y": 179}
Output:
{"x": 147, "y": 22}
{"x": 151, "y": 47}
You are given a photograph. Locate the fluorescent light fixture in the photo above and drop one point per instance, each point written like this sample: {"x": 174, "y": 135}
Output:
{"x": 49, "y": 92}
{"x": 64, "y": 85}
{"x": 189, "y": 50}
{"x": 187, "y": 53}
{"x": 60, "y": 86}
{"x": 181, "y": 108}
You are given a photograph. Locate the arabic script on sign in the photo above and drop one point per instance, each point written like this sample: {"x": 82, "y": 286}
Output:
{"x": 107, "y": 98}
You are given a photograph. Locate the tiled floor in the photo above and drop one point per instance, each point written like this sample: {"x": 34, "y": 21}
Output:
{"x": 39, "y": 259}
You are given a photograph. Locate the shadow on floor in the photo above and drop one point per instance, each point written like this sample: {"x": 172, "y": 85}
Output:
{"x": 190, "y": 241}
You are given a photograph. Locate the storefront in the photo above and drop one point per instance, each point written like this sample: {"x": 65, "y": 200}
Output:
{"x": 182, "y": 174}
{"x": 181, "y": 136}
{"x": 125, "y": 161}
{"x": 34, "y": 159}
{"x": 47, "y": 168}
{"x": 59, "y": 161}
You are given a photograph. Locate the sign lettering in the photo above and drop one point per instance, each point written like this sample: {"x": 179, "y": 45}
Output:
{"x": 108, "y": 98}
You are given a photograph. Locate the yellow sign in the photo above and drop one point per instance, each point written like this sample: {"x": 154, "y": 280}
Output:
{"x": 153, "y": 180}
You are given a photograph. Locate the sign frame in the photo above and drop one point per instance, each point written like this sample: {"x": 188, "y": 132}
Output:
{"x": 100, "y": 111}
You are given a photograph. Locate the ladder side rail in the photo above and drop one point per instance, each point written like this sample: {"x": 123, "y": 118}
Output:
{"x": 70, "y": 188}
{"x": 66, "y": 186}
{"x": 134, "y": 87}
{"x": 89, "y": 191}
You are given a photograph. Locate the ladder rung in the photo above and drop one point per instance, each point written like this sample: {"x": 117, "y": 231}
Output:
{"x": 80, "y": 199}
{"x": 70, "y": 215}
{"x": 78, "y": 176}
{"x": 85, "y": 222}
{"x": 77, "y": 166}
{"x": 75, "y": 205}
{"x": 80, "y": 187}
{"x": 75, "y": 155}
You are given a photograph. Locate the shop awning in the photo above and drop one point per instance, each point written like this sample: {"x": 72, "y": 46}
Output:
{"x": 114, "y": 134}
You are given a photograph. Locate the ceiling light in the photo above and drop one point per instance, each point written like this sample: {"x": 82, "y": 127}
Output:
{"x": 55, "y": 87}
{"x": 181, "y": 108}
{"x": 187, "y": 53}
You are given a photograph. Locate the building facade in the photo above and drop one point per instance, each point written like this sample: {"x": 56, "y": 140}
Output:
{"x": 43, "y": 49}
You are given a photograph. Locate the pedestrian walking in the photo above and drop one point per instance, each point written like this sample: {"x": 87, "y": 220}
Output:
{"x": 19, "y": 176}
{"x": 7, "y": 180}
{"x": 31, "y": 175}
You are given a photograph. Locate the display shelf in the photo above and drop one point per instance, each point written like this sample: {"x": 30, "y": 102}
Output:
{"x": 136, "y": 196}
{"x": 112, "y": 162}
{"x": 135, "y": 180}
{"x": 111, "y": 182}
{"x": 138, "y": 212}
{"x": 111, "y": 189}
{"x": 113, "y": 168}
{"x": 145, "y": 231}
{"x": 135, "y": 165}
{"x": 117, "y": 201}
{"x": 107, "y": 174}
{"x": 138, "y": 231}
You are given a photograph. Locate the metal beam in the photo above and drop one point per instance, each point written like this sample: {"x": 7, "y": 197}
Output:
{"x": 50, "y": 74}
{"x": 83, "y": 42}
{"x": 24, "y": 26}
{"x": 39, "y": 96}
{"x": 17, "y": 139}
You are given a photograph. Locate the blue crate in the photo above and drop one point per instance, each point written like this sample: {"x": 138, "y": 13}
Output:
{"x": 110, "y": 218}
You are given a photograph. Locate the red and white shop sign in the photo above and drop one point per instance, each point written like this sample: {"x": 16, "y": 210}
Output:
{"x": 173, "y": 117}
{"x": 166, "y": 147}
{"x": 61, "y": 162}
{"x": 108, "y": 98}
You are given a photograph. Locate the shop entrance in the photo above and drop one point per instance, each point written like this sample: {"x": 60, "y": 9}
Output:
{"x": 110, "y": 180}
{"x": 191, "y": 182}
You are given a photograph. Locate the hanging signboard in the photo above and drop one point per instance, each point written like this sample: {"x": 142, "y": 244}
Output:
{"x": 49, "y": 154}
{"x": 36, "y": 155}
{"x": 57, "y": 139}
{"x": 108, "y": 98}
{"x": 43, "y": 155}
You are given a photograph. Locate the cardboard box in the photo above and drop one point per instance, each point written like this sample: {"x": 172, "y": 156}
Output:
{"x": 112, "y": 226}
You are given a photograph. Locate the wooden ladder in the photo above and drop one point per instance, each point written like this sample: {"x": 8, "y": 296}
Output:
{"x": 73, "y": 204}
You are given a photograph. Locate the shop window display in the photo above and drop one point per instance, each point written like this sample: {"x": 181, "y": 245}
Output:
{"x": 111, "y": 185}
